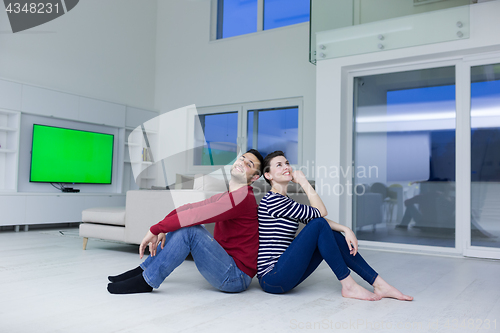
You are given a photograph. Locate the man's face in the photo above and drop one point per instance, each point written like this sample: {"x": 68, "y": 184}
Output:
{"x": 246, "y": 168}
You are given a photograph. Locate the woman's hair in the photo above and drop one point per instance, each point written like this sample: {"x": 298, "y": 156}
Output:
{"x": 267, "y": 163}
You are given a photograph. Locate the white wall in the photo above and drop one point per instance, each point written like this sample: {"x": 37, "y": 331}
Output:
{"x": 333, "y": 113}
{"x": 99, "y": 49}
{"x": 267, "y": 65}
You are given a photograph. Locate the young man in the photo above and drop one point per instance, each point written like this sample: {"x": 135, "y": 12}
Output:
{"x": 227, "y": 260}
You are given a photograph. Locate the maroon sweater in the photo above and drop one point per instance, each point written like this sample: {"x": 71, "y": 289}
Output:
{"x": 236, "y": 224}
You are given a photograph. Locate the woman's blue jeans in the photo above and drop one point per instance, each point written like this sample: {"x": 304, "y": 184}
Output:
{"x": 317, "y": 241}
{"x": 213, "y": 262}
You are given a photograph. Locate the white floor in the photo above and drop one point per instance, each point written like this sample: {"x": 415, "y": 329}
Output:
{"x": 49, "y": 284}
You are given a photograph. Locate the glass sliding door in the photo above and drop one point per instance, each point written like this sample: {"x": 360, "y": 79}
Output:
{"x": 404, "y": 157}
{"x": 485, "y": 156}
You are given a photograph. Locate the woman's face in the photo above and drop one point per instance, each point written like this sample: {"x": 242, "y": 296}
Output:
{"x": 280, "y": 170}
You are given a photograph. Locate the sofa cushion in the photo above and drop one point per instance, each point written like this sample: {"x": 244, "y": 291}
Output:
{"x": 183, "y": 182}
{"x": 105, "y": 215}
{"x": 92, "y": 230}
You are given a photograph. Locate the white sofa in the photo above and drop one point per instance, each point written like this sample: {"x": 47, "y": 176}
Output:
{"x": 143, "y": 208}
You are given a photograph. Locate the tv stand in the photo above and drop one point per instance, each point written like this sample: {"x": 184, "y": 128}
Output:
{"x": 70, "y": 190}
{"x": 51, "y": 207}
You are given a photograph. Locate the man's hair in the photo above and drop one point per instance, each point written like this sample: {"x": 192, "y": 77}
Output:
{"x": 267, "y": 162}
{"x": 256, "y": 153}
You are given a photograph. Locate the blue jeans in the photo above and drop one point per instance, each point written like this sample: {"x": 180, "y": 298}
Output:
{"x": 317, "y": 241}
{"x": 213, "y": 262}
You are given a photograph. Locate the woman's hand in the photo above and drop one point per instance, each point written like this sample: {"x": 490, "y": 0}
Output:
{"x": 150, "y": 239}
{"x": 314, "y": 199}
{"x": 351, "y": 240}
{"x": 298, "y": 177}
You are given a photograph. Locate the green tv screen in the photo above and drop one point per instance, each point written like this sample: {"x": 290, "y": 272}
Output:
{"x": 63, "y": 155}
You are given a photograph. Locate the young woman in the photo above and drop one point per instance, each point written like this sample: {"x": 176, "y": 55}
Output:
{"x": 284, "y": 261}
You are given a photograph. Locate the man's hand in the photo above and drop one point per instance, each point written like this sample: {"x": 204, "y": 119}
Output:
{"x": 161, "y": 238}
{"x": 151, "y": 240}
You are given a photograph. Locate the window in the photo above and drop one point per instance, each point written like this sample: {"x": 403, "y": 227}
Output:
{"x": 280, "y": 13}
{"x": 274, "y": 129}
{"x": 220, "y": 132}
{"x": 236, "y": 17}
{"x": 239, "y": 17}
{"x": 224, "y": 131}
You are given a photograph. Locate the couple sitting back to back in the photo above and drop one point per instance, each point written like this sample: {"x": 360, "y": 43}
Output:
{"x": 246, "y": 243}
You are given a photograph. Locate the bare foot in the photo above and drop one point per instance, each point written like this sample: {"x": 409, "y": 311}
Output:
{"x": 351, "y": 289}
{"x": 385, "y": 290}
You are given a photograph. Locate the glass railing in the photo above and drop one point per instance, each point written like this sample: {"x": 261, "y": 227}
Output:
{"x": 341, "y": 28}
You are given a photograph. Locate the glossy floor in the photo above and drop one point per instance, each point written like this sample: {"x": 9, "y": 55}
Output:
{"x": 49, "y": 284}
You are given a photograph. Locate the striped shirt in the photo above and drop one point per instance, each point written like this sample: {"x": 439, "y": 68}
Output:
{"x": 279, "y": 218}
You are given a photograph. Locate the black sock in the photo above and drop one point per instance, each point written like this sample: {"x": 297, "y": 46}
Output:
{"x": 134, "y": 285}
{"x": 127, "y": 275}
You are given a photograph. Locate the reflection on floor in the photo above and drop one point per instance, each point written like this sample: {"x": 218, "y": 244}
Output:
{"x": 491, "y": 235}
{"x": 442, "y": 237}
{"x": 416, "y": 236}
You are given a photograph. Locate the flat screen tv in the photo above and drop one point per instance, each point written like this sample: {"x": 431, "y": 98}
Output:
{"x": 64, "y": 155}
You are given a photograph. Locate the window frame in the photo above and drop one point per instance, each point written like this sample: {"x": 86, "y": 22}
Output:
{"x": 463, "y": 63}
{"x": 242, "y": 137}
